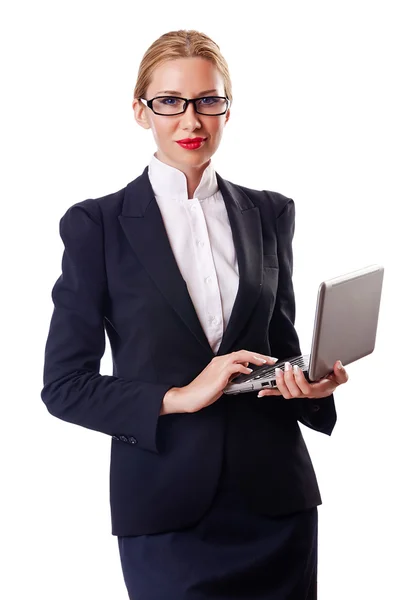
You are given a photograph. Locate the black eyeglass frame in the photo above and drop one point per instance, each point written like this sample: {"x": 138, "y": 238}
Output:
{"x": 149, "y": 103}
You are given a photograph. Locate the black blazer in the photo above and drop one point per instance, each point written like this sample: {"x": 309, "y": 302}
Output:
{"x": 119, "y": 274}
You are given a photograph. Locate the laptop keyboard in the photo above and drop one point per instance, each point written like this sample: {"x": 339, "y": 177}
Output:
{"x": 300, "y": 361}
{"x": 270, "y": 371}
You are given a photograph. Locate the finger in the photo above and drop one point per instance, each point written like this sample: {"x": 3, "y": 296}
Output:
{"x": 269, "y": 392}
{"x": 301, "y": 381}
{"x": 253, "y": 357}
{"x": 265, "y": 358}
{"x": 340, "y": 373}
{"x": 289, "y": 379}
{"x": 280, "y": 383}
{"x": 236, "y": 368}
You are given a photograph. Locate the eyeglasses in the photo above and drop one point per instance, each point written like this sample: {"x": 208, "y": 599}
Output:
{"x": 173, "y": 105}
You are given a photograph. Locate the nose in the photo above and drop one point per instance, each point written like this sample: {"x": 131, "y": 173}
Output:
{"x": 190, "y": 119}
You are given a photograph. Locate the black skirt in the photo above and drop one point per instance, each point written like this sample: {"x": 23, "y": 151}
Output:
{"x": 230, "y": 554}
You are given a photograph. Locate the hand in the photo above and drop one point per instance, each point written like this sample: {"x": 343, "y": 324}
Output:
{"x": 292, "y": 383}
{"x": 208, "y": 386}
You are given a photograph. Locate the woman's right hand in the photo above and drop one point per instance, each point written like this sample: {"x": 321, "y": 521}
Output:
{"x": 208, "y": 386}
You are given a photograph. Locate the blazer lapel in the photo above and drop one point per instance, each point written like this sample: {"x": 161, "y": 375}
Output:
{"x": 142, "y": 223}
{"x": 245, "y": 223}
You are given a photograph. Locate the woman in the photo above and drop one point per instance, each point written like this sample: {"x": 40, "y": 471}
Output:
{"x": 190, "y": 275}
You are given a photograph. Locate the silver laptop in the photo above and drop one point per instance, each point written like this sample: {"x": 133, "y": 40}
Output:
{"x": 345, "y": 328}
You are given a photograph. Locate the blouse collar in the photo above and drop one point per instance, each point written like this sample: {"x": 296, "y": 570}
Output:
{"x": 168, "y": 181}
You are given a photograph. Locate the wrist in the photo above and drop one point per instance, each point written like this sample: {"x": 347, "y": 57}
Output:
{"x": 173, "y": 402}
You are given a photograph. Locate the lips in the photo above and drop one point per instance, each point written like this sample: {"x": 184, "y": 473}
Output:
{"x": 191, "y": 143}
{"x": 191, "y": 140}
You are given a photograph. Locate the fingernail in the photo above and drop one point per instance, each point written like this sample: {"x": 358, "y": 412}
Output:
{"x": 278, "y": 371}
{"x": 260, "y": 358}
{"x": 275, "y": 359}
{"x": 288, "y": 366}
{"x": 339, "y": 365}
{"x": 296, "y": 369}
{"x": 248, "y": 369}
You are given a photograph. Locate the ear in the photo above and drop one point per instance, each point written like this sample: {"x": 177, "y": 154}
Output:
{"x": 140, "y": 113}
{"x": 227, "y": 117}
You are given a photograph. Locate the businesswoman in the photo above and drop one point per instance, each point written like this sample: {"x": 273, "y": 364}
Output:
{"x": 190, "y": 276}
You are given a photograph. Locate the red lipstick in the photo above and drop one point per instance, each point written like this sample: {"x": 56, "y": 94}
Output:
{"x": 191, "y": 143}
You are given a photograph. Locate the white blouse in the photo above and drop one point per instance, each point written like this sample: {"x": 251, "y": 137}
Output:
{"x": 200, "y": 236}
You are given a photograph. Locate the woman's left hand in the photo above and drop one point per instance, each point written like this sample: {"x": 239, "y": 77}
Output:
{"x": 292, "y": 383}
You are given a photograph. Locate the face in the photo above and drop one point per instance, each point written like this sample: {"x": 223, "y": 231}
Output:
{"x": 187, "y": 78}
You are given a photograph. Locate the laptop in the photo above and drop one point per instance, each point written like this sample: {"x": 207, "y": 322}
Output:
{"x": 345, "y": 326}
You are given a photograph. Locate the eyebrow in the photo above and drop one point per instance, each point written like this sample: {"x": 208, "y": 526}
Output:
{"x": 175, "y": 93}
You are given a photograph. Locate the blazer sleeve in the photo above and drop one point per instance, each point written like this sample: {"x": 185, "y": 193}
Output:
{"x": 318, "y": 414}
{"x": 74, "y": 390}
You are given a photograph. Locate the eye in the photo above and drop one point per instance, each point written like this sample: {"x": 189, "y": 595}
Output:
{"x": 209, "y": 101}
{"x": 170, "y": 101}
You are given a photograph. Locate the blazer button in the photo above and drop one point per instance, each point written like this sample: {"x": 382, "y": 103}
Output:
{"x": 123, "y": 438}
{"x": 132, "y": 440}
{"x": 316, "y": 407}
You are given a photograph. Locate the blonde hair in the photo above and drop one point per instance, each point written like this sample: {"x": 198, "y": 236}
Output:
{"x": 180, "y": 44}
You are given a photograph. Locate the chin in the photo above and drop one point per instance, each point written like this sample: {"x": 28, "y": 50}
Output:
{"x": 194, "y": 155}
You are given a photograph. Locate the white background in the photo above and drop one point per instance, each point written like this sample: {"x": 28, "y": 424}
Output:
{"x": 314, "y": 118}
